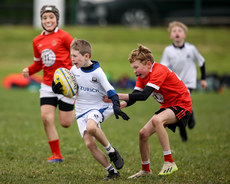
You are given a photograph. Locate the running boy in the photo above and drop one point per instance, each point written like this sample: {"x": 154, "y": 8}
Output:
{"x": 52, "y": 51}
{"x": 180, "y": 57}
{"x": 176, "y": 105}
{"x": 90, "y": 109}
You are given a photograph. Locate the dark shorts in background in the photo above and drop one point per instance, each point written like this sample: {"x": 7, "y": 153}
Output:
{"x": 63, "y": 106}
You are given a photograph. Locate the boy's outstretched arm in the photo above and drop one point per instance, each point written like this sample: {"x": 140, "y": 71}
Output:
{"x": 123, "y": 104}
{"x": 141, "y": 95}
{"x": 136, "y": 95}
{"x": 117, "y": 109}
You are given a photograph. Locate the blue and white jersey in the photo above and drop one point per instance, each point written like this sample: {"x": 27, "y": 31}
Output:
{"x": 93, "y": 85}
{"x": 183, "y": 62}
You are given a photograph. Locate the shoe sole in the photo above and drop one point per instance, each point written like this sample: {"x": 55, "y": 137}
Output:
{"x": 114, "y": 178}
{"x": 55, "y": 160}
{"x": 137, "y": 176}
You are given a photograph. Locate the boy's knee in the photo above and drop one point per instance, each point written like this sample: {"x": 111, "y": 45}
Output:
{"x": 155, "y": 122}
{"x": 143, "y": 134}
{"x": 91, "y": 130}
{"x": 91, "y": 127}
{"x": 66, "y": 124}
{"x": 46, "y": 119}
{"x": 90, "y": 145}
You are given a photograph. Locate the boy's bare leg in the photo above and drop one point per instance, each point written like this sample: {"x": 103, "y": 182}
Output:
{"x": 93, "y": 130}
{"x": 96, "y": 132}
{"x": 66, "y": 118}
{"x": 159, "y": 121}
{"x": 144, "y": 135}
{"x": 155, "y": 124}
{"x": 48, "y": 118}
{"x": 95, "y": 151}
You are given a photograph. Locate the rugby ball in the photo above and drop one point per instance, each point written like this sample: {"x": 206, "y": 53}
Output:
{"x": 68, "y": 81}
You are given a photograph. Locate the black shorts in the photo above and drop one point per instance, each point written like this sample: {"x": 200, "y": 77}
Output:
{"x": 182, "y": 116}
{"x": 54, "y": 101}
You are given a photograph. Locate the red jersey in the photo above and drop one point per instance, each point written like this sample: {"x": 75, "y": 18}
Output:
{"x": 169, "y": 88}
{"x": 51, "y": 51}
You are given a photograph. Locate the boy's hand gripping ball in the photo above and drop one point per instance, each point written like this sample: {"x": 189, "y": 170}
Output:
{"x": 67, "y": 80}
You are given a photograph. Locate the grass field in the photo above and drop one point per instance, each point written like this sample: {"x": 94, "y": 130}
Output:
{"x": 205, "y": 158}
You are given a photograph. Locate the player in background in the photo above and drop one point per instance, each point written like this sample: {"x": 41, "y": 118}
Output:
{"x": 176, "y": 106}
{"x": 52, "y": 51}
{"x": 90, "y": 109}
{"x": 181, "y": 57}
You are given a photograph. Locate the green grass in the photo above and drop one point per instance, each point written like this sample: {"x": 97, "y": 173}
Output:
{"x": 112, "y": 46}
{"x": 24, "y": 148}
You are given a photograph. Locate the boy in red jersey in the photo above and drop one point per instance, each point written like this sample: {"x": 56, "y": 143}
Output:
{"x": 176, "y": 105}
{"x": 52, "y": 51}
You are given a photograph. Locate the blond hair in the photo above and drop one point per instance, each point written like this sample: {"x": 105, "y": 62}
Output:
{"x": 82, "y": 46}
{"x": 142, "y": 53}
{"x": 179, "y": 24}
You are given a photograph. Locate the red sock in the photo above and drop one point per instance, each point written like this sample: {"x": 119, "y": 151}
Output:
{"x": 54, "y": 146}
{"x": 168, "y": 158}
{"x": 146, "y": 167}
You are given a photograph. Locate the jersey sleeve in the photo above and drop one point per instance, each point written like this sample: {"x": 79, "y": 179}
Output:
{"x": 203, "y": 72}
{"x": 141, "y": 95}
{"x": 37, "y": 65}
{"x": 139, "y": 84}
{"x": 199, "y": 58}
{"x": 105, "y": 84}
{"x": 67, "y": 40}
{"x": 164, "y": 59}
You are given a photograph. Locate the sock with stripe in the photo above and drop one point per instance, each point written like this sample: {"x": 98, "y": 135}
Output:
{"x": 110, "y": 168}
{"x": 146, "y": 165}
{"x": 109, "y": 148}
{"x": 168, "y": 156}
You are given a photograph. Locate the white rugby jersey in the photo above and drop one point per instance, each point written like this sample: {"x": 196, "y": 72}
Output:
{"x": 182, "y": 62}
{"x": 92, "y": 86}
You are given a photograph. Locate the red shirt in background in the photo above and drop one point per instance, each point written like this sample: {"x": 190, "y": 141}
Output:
{"x": 51, "y": 51}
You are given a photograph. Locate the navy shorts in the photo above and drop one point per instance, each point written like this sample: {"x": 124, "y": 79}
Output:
{"x": 182, "y": 116}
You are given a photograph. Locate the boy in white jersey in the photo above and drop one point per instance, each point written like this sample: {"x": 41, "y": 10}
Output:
{"x": 90, "y": 108}
{"x": 180, "y": 57}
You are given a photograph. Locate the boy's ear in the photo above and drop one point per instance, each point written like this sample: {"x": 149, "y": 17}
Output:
{"x": 185, "y": 35}
{"x": 149, "y": 63}
{"x": 87, "y": 56}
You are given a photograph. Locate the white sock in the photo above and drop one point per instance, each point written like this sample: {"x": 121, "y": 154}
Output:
{"x": 145, "y": 162}
{"x": 167, "y": 152}
{"x": 110, "y": 167}
{"x": 109, "y": 149}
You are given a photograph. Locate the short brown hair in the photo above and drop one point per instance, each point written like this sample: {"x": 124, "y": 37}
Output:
{"x": 179, "y": 24}
{"x": 82, "y": 46}
{"x": 142, "y": 53}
